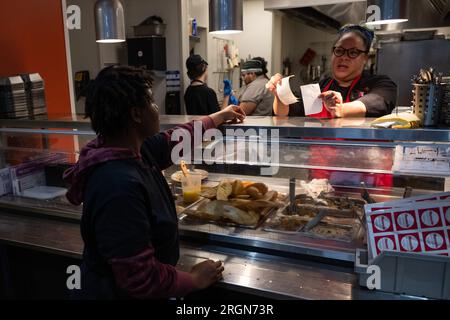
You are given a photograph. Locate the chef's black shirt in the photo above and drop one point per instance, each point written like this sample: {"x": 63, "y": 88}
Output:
{"x": 377, "y": 92}
{"x": 201, "y": 100}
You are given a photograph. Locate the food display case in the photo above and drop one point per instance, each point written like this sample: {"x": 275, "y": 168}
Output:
{"x": 312, "y": 179}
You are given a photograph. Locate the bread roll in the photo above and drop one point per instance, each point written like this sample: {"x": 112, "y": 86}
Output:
{"x": 238, "y": 188}
{"x": 271, "y": 196}
{"x": 262, "y": 188}
{"x": 254, "y": 193}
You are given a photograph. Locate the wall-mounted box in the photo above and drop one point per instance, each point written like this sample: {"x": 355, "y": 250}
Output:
{"x": 148, "y": 52}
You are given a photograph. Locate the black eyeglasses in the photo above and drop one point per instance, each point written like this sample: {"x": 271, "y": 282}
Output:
{"x": 352, "y": 53}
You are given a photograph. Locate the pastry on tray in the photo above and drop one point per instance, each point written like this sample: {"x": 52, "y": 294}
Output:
{"x": 240, "y": 202}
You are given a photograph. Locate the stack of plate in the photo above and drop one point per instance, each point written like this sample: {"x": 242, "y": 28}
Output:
{"x": 13, "y": 98}
{"x": 22, "y": 97}
{"x": 35, "y": 88}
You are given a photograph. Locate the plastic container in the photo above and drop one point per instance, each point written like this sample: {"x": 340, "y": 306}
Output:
{"x": 411, "y": 274}
{"x": 194, "y": 28}
{"x": 191, "y": 186}
{"x": 44, "y": 192}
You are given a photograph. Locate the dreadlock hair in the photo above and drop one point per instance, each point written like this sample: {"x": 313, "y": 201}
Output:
{"x": 112, "y": 95}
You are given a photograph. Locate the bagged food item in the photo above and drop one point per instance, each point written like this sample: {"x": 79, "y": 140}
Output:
{"x": 402, "y": 120}
{"x": 316, "y": 187}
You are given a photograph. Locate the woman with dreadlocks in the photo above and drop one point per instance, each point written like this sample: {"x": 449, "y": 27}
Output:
{"x": 129, "y": 223}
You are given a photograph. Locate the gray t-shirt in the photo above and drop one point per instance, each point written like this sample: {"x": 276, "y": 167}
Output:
{"x": 256, "y": 92}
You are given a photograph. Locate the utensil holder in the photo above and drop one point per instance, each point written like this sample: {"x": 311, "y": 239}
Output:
{"x": 427, "y": 103}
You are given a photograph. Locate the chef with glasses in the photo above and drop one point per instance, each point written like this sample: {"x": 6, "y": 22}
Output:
{"x": 352, "y": 91}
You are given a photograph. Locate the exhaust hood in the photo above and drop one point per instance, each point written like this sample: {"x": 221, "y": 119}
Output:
{"x": 330, "y": 15}
{"x": 390, "y": 12}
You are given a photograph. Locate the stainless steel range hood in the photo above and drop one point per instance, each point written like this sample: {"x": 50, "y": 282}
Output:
{"x": 330, "y": 15}
{"x": 427, "y": 14}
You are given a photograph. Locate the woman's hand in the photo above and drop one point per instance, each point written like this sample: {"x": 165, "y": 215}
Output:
{"x": 279, "y": 108}
{"x": 230, "y": 114}
{"x": 206, "y": 273}
{"x": 333, "y": 102}
{"x": 273, "y": 82}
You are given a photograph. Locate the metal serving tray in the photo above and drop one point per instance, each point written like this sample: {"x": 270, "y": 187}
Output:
{"x": 353, "y": 227}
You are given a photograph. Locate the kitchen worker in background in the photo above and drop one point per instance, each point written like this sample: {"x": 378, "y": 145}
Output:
{"x": 351, "y": 92}
{"x": 129, "y": 224}
{"x": 199, "y": 98}
{"x": 228, "y": 94}
{"x": 256, "y": 99}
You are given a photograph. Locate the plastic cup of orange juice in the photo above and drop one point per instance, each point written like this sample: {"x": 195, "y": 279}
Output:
{"x": 192, "y": 186}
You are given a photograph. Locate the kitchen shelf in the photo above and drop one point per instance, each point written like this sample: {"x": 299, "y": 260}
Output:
{"x": 195, "y": 39}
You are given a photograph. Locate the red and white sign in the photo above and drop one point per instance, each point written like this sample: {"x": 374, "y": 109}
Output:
{"x": 435, "y": 241}
{"x": 427, "y": 199}
{"x": 410, "y": 242}
{"x": 447, "y": 216}
{"x": 405, "y": 220}
{"x": 410, "y": 227}
{"x": 382, "y": 222}
{"x": 378, "y": 208}
{"x": 384, "y": 243}
{"x": 430, "y": 218}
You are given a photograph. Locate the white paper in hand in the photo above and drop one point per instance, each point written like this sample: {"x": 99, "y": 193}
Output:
{"x": 311, "y": 100}
{"x": 284, "y": 92}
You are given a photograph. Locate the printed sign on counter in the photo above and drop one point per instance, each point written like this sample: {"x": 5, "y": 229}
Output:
{"x": 410, "y": 225}
{"x": 420, "y": 159}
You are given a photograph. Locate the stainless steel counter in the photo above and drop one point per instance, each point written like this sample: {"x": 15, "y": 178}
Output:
{"x": 46, "y": 227}
{"x": 248, "y": 272}
{"x": 357, "y": 128}
{"x": 249, "y": 239}
{"x": 254, "y": 239}
{"x": 78, "y": 122}
{"x": 269, "y": 274}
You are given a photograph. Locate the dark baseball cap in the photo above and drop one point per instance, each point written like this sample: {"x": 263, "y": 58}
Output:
{"x": 194, "y": 60}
